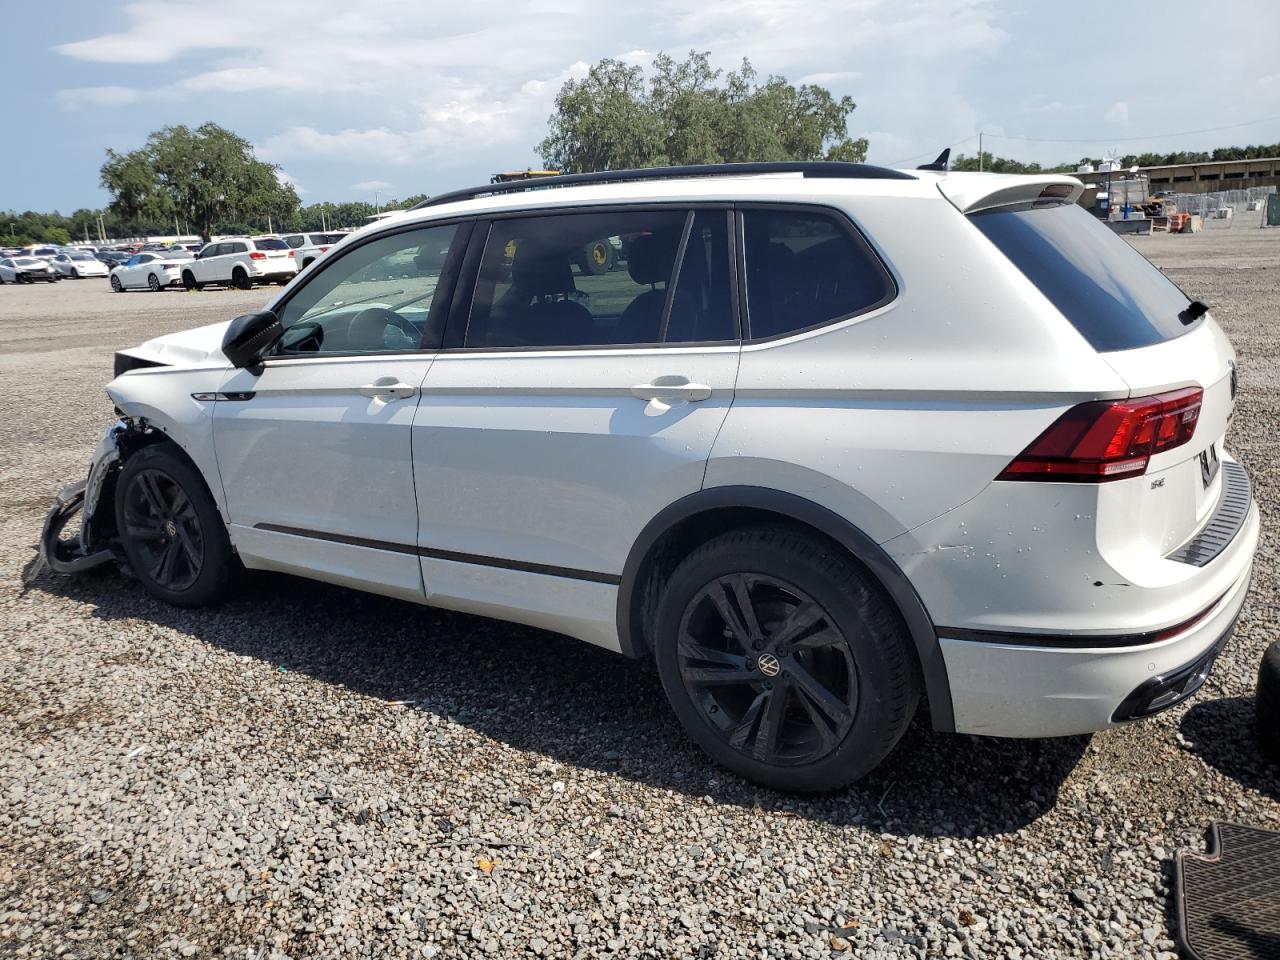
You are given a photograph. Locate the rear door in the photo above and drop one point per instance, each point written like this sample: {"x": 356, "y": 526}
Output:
{"x": 1138, "y": 320}
{"x": 577, "y": 400}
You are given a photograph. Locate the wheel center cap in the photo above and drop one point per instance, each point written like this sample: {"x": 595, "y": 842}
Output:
{"x": 170, "y": 528}
{"x": 769, "y": 664}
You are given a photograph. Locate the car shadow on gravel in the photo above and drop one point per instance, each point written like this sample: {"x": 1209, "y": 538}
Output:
{"x": 580, "y": 705}
{"x": 1222, "y": 733}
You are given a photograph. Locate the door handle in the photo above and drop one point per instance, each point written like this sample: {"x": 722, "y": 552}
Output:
{"x": 387, "y": 388}
{"x": 669, "y": 389}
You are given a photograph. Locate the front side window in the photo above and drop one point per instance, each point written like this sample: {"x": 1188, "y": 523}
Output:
{"x": 377, "y": 298}
{"x": 807, "y": 268}
{"x": 600, "y": 279}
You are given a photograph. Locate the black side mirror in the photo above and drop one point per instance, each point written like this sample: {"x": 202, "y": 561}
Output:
{"x": 250, "y": 336}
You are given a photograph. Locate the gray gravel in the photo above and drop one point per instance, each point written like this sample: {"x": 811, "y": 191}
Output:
{"x": 247, "y": 781}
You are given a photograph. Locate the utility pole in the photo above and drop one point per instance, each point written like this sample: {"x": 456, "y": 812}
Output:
{"x": 377, "y": 206}
{"x": 979, "y": 151}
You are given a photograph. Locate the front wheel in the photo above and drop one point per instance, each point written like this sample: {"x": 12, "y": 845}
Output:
{"x": 189, "y": 281}
{"x": 784, "y": 660}
{"x": 75, "y": 274}
{"x": 116, "y": 285}
{"x": 170, "y": 529}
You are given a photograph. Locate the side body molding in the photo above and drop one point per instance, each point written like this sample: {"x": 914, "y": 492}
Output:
{"x": 867, "y": 551}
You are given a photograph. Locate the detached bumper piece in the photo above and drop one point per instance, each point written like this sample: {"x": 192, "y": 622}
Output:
{"x": 1160, "y": 693}
{"x": 1228, "y": 900}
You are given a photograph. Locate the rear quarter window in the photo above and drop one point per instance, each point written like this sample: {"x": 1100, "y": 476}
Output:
{"x": 807, "y": 268}
{"x": 1113, "y": 295}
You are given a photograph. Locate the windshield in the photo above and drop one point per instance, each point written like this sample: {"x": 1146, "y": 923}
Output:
{"x": 80, "y": 256}
{"x": 1113, "y": 295}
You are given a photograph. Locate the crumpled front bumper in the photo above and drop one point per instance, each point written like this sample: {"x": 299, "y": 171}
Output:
{"x": 84, "y": 498}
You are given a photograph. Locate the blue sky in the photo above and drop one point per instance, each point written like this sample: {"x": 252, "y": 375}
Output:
{"x": 398, "y": 97}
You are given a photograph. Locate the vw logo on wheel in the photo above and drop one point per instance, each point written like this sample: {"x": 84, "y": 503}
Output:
{"x": 769, "y": 664}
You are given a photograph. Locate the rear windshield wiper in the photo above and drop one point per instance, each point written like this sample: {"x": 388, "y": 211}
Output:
{"x": 1194, "y": 311}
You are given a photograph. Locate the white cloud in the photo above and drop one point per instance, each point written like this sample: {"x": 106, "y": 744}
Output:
{"x": 77, "y": 97}
{"x": 290, "y": 181}
{"x": 1118, "y": 114}
{"x": 832, "y": 78}
{"x": 366, "y": 185}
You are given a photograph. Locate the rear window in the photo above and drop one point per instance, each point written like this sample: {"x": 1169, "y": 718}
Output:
{"x": 1109, "y": 292}
{"x": 271, "y": 243}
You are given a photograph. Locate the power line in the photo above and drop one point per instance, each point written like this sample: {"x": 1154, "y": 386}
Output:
{"x": 1154, "y": 136}
{"x": 931, "y": 153}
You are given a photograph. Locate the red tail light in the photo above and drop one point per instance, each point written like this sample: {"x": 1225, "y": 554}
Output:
{"x": 1109, "y": 440}
{"x": 323, "y": 249}
{"x": 257, "y": 255}
{"x": 293, "y": 253}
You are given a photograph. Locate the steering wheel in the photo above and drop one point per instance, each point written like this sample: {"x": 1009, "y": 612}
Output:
{"x": 367, "y": 329}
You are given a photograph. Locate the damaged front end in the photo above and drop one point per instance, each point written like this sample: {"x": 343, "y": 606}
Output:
{"x": 66, "y": 549}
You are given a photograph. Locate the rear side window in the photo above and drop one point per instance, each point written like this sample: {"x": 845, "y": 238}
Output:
{"x": 601, "y": 279}
{"x": 807, "y": 268}
{"x": 271, "y": 243}
{"x": 1109, "y": 292}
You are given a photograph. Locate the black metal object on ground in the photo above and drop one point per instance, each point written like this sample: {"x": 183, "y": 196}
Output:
{"x": 1228, "y": 899}
{"x": 1268, "y": 702}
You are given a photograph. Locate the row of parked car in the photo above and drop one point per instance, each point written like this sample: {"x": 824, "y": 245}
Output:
{"x": 230, "y": 261}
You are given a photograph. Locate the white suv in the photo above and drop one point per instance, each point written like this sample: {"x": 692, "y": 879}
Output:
{"x": 241, "y": 262}
{"x": 307, "y": 247}
{"x": 836, "y": 438}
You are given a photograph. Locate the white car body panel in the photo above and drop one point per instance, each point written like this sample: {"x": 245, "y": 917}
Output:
{"x": 137, "y": 276}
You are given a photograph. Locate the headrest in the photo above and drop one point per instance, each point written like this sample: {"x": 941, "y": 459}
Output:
{"x": 543, "y": 272}
{"x": 650, "y": 258}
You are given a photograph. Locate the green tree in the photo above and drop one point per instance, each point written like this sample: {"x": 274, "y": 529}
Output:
{"x": 203, "y": 177}
{"x": 689, "y": 112}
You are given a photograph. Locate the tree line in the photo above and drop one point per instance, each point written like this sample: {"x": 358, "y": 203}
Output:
{"x": 206, "y": 180}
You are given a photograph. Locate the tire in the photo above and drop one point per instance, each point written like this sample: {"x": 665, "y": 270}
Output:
{"x": 832, "y": 707}
{"x": 170, "y": 529}
{"x": 153, "y": 283}
{"x": 189, "y": 281}
{"x": 1267, "y": 702}
{"x": 75, "y": 274}
{"x": 597, "y": 258}
{"x": 306, "y": 264}
{"x": 241, "y": 280}
{"x": 116, "y": 285}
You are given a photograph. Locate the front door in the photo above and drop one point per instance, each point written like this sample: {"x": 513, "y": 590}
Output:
{"x": 597, "y": 365}
{"x": 314, "y": 449}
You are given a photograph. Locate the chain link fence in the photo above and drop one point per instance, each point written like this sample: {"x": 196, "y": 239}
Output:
{"x": 1227, "y": 208}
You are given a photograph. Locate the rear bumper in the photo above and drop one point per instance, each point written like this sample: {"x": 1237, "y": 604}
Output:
{"x": 1062, "y": 686}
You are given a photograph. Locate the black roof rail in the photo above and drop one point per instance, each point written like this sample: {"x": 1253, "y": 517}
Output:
{"x": 821, "y": 169}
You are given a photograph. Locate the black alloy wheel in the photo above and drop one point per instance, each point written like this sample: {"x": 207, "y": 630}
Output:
{"x": 161, "y": 521}
{"x": 784, "y": 659}
{"x": 153, "y": 282}
{"x": 768, "y": 668}
{"x": 116, "y": 285}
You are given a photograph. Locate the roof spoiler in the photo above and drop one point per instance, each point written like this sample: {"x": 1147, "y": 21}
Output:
{"x": 971, "y": 192}
{"x": 943, "y": 162}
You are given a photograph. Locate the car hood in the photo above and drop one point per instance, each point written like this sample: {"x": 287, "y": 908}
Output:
{"x": 195, "y": 347}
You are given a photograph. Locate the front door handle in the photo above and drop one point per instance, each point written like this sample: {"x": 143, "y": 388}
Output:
{"x": 671, "y": 389}
{"x": 387, "y": 388}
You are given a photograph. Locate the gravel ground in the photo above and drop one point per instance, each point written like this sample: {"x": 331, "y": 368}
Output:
{"x": 247, "y": 781}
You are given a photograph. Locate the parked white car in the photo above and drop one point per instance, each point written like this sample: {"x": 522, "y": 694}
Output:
{"x": 307, "y": 247}
{"x": 832, "y": 442}
{"x": 77, "y": 264}
{"x": 26, "y": 270}
{"x": 149, "y": 271}
{"x": 241, "y": 262}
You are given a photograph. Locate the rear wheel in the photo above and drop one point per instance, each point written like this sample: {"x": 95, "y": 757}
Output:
{"x": 153, "y": 283}
{"x": 116, "y": 285}
{"x": 170, "y": 529}
{"x": 241, "y": 280}
{"x": 784, "y": 660}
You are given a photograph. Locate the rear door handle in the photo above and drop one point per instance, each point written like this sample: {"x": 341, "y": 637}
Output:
{"x": 669, "y": 389}
{"x": 387, "y": 388}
